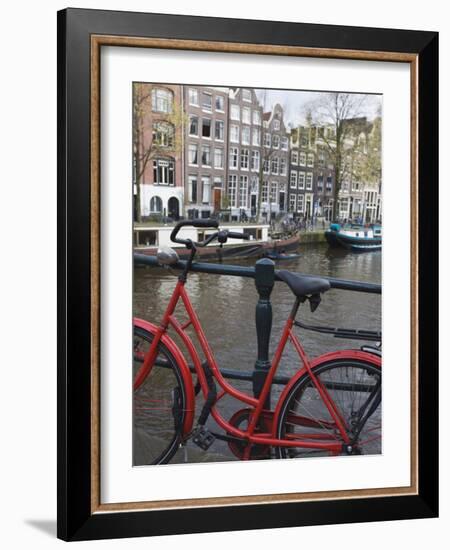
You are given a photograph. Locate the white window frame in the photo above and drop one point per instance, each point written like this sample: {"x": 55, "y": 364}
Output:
{"x": 275, "y": 141}
{"x": 256, "y": 117}
{"x": 217, "y": 124}
{"x": 218, "y": 154}
{"x": 243, "y": 191}
{"x": 206, "y": 187}
{"x": 235, "y": 112}
{"x": 301, "y": 180}
{"x": 191, "y": 147}
{"x": 193, "y": 91}
{"x": 232, "y": 189}
{"x": 293, "y": 179}
{"x": 302, "y": 159}
{"x": 294, "y": 157}
{"x": 246, "y": 115}
{"x": 234, "y": 133}
{"x": 234, "y": 155}
{"x": 256, "y": 137}
{"x": 245, "y": 131}
{"x": 246, "y": 95}
{"x": 245, "y": 159}
{"x": 309, "y": 181}
{"x": 255, "y": 161}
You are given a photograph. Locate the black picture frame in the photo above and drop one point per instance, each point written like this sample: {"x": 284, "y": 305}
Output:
{"x": 76, "y": 519}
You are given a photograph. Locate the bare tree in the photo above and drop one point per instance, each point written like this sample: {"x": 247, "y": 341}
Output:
{"x": 336, "y": 117}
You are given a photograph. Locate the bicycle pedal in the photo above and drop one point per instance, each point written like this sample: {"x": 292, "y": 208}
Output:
{"x": 203, "y": 438}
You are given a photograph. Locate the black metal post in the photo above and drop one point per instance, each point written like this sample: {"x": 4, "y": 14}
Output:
{"x": 264, "y": 281}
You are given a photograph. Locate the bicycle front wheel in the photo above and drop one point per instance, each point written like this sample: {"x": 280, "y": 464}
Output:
{"x": 354, "y": 386}
{"x": 158, "y": 404}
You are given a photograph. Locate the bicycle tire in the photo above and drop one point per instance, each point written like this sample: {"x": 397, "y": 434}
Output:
{"x": 303, "y": 402}
{"x": 159, "y": 404}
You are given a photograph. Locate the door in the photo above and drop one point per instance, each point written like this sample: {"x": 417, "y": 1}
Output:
{"x": 173, "y": 207}
{"x": 217, "y": 199}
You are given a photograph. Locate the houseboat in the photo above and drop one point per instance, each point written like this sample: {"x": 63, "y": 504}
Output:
{"x": 148, "y": 238}
{"x": 355, "y": 237}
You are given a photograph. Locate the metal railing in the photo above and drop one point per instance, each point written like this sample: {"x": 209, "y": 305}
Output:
{"x": 265, "y": 275}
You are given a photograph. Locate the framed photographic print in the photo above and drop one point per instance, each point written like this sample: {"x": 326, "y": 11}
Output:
{"x": 245, "y": 246}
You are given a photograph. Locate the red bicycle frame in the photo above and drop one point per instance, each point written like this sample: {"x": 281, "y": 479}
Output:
{"x": 257, "y": 404}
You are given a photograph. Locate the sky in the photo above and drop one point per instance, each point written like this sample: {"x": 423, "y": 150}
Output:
{"x": 293, "y": 103}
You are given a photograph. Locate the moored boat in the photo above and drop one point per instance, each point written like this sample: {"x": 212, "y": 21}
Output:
{"x": 355, "y": 237}
{"x": 148, "y": 238}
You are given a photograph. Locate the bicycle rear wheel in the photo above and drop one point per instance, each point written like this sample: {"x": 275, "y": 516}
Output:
{"x": 355, "y": 387}
{"x": 158, "y": 404}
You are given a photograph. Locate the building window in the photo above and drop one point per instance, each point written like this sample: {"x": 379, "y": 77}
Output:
{"x": 193, "y": 126}
{"x": 219, "y": 126}
{"x": 292, "y": 202}
{"x": 255, "y": 160}
{"x": 275, "y": 141}
{"x": 266, "y": 166}
{"x": 329, "y": 182}
{"x": 162, "y": 100}
{"x": 301, "y": 180}
{"x": 243, "y": 191}
{"x": 246, "y": 95}
{"x": 206, "y": 127}
{"x": 235, "y": 113}
{"x": 246, "y": 135}
{"x": 254, "y": 184}
{"x": 234, "y": 133}
{"x": 284, "y": 143}
{"x": 220, "y": 102}
{"x": 320, "y": 183}
{"x": 294, "y": 157}
{"x": 218, "y": 182}
{"x": 310, "y": 160}
{"x": 244, "y": 159}
{"x": 163, "y": 172}
{"x": 234, "y": 155}
{"x": 275, "y": 165}
{"x": 264, "y": 191}
{"x": 300, "y": 203}
{"x": 309, "y": 180}
{"x": 232, "y": 186}
{"x": 163, "y": 134}
{"x": 246, "y": 115}
{"x": 193, "y": 154}
{"x": 276, "y": 125}
{"x": 283, "y": 166}
{"x": 304, "y": 142}
{"x": 193, "y": 97}
{"x": 206, "y": 155}
{"x": 302, "y": 159}
{"x": 192, "y": 189}
{"x": 256, "y": 118}
{"x": 206, "y": 101}
{"x": 256, "y": 137}
{"x": 218, "y": 158}
{"x": 267, "y": 140}
{"x": 293, "y": 179}
{"x": 155, "y": 205}
{"x": 273, "y": 191}
{"x": 206, "y": 189}
{"x": 321, "y": 158}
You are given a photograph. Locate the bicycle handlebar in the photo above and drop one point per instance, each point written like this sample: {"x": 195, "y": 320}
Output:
{"x": 207, "y": 222}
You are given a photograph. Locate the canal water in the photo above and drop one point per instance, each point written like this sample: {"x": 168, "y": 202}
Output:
{"x": 226, "y": 308}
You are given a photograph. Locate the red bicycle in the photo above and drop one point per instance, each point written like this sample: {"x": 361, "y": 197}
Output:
{"x": 331, "y": 406}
